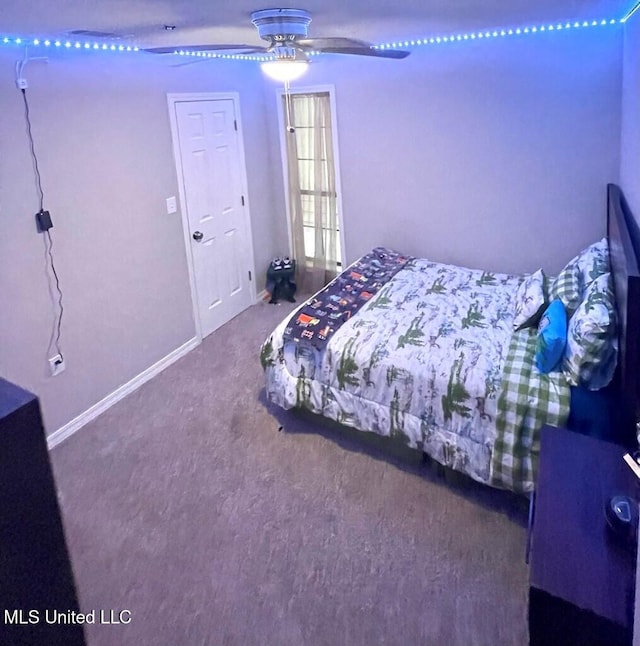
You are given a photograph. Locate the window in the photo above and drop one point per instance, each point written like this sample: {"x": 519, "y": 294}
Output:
{"x": 312, "y": 190}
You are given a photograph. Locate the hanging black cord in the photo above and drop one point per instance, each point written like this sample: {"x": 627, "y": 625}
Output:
{"x": 27, "y": 117}
{"x": 49, "y": 247}
{"x": 55, "y": 274}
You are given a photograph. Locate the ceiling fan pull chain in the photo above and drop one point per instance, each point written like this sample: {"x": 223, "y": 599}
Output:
{"x": 287, "y": 100}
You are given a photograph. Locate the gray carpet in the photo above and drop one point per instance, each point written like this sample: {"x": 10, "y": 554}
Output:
{"x": 185, "y": 505}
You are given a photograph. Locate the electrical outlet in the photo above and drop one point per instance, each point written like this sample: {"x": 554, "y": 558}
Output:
{"x": 56, "y": 365}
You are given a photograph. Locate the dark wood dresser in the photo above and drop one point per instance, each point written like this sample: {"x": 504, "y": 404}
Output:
{"x": 35, "y": 571}
{"x": 582, "y": 577}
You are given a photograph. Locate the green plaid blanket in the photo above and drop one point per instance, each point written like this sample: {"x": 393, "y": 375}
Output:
{"x": 528, "y": 400}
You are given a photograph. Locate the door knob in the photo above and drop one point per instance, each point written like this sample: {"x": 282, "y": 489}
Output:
{"x": 198, "y": 235}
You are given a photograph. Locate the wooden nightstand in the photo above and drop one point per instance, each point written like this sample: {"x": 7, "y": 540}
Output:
{"x": 582, "y": 578}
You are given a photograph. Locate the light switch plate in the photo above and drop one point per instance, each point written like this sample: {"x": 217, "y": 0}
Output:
{"x": 172, "y": 205}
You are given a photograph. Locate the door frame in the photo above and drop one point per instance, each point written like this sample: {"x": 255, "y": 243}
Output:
{"x": 172, "y": 99}
{"x": 312, "y": 89}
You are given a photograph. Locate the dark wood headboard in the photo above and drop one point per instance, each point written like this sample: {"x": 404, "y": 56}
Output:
{"x": 624, "y": 246}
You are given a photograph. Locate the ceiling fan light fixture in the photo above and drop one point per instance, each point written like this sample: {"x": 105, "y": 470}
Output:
{"x": 285, "y": 70}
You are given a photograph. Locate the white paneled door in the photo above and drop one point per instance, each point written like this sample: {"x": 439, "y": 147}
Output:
{"x": 213, "y": 178}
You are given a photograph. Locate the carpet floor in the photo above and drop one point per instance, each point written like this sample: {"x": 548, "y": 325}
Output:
{"x": 185, "y": 505}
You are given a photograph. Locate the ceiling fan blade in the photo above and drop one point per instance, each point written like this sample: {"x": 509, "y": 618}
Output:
{"x": 192, "y": 61}
{"x": 365, "y": 51}
{"x": 244, "y": 49}
{"x": 321, "y": 43}
{"x": 348, "y": 46}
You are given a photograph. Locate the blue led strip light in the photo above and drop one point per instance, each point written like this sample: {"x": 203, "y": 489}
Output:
{"x": 52, "y": 43}
{"x": 631, "y": 11}
{"x": 497, "y": 33}
{"x": 236, "y": 57}
{"x": 55, "y": 43}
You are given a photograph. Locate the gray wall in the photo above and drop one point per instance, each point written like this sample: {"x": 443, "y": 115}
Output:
{"x": 101, "y": 129}
{"x": 490, "y": 154}
{"x": 630, "y": 156}
{"x": 487, "y": 154}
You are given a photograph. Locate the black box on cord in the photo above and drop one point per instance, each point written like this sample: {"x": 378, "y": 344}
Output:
{"x": 43, "y": 220}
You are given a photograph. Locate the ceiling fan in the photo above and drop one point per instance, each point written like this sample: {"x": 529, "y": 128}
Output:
{"x": 285, "y": 31}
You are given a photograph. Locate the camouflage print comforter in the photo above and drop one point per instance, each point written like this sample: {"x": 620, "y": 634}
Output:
{"x": 422, "y": 360}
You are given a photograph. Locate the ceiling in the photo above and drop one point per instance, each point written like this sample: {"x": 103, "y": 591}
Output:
{"x": 141, "y": 22}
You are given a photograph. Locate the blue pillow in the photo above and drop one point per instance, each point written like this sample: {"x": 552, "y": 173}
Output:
{"x": 552, "y": 337}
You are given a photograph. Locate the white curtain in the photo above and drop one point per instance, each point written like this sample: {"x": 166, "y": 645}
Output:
{"x": 312, "y": 190}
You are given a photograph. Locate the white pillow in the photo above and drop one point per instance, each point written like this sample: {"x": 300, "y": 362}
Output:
{"x": 530, "y": 301}
{"x": 572, "y": 282}
{"x": 593, "y": 261}
{"x": 592, "y": 343}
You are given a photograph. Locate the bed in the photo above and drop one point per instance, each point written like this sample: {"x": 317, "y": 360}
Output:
{"x": 428, "y": 352}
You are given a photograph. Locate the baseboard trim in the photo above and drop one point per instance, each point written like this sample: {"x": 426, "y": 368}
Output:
{"x": 262, "y": 296}
{"x": 78, "y": 422}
